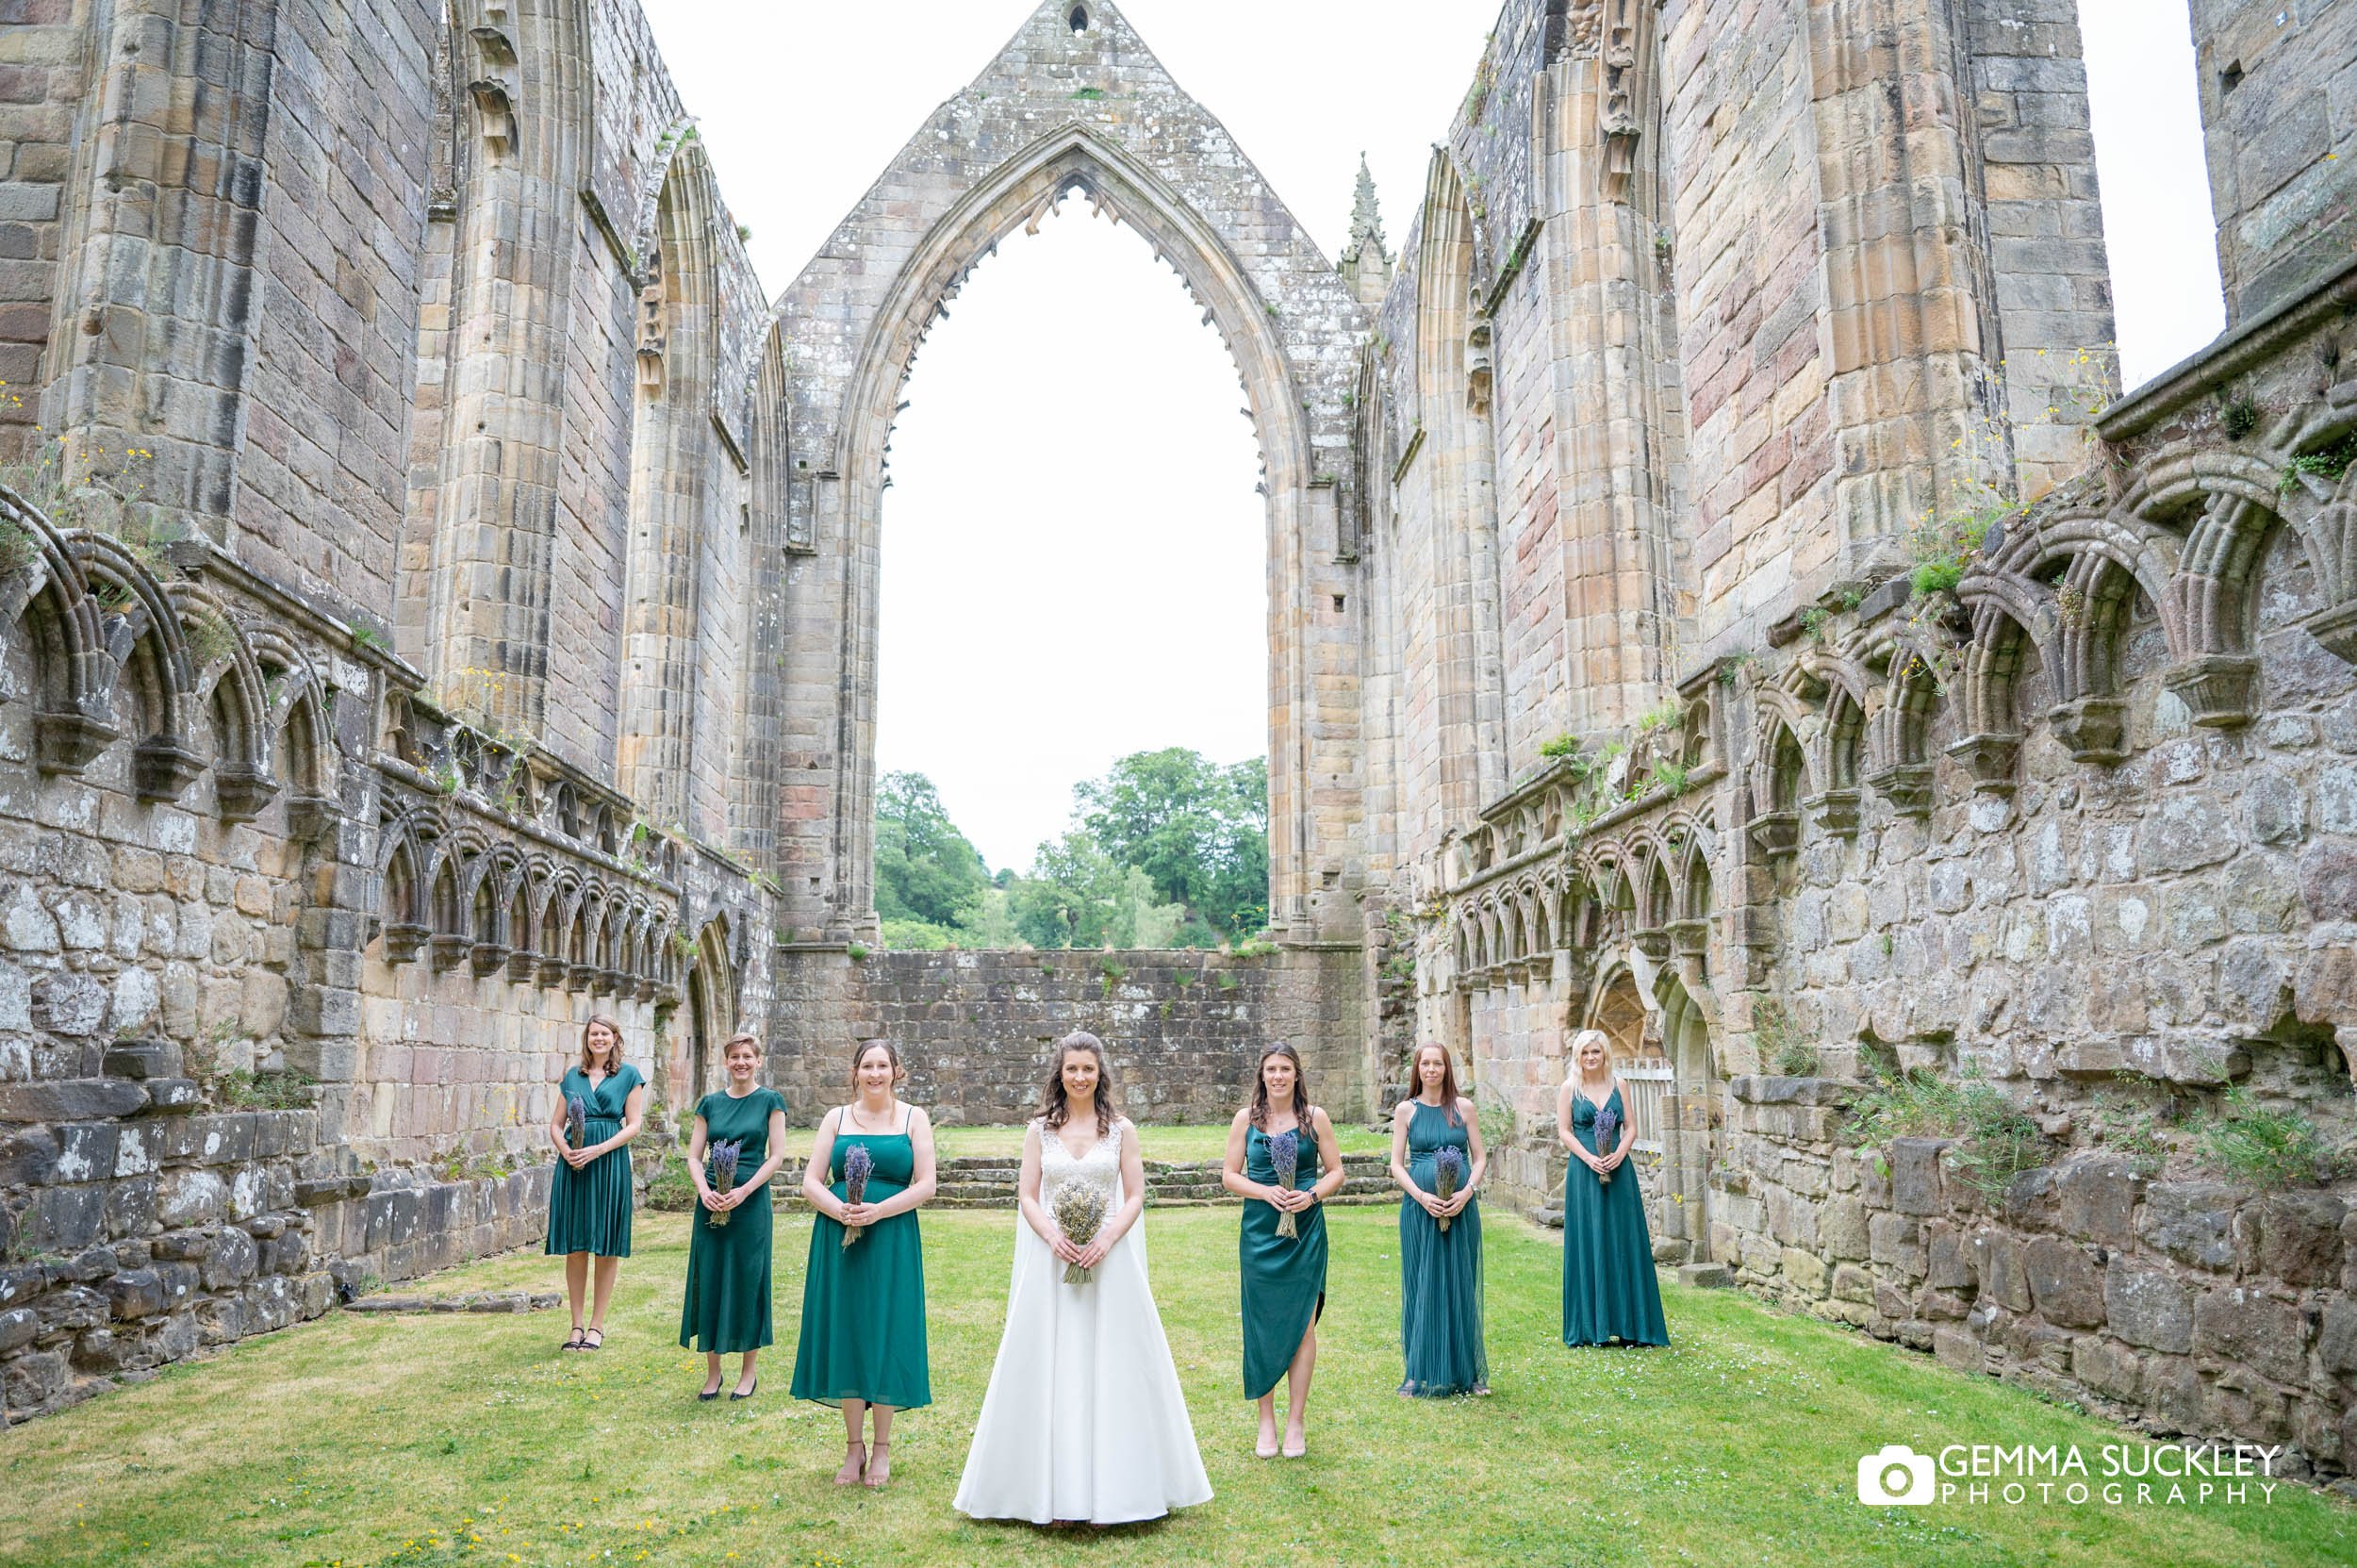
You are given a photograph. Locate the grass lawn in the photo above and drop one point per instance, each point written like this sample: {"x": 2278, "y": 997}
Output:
{"x": 437, "y": 1440}
{"x": 1155, "y": 1143}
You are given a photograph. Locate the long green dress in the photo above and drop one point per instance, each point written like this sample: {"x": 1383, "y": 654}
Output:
{"x": 728, "y": 1265}
{"x": 1284, "y": 1277}
{"x": 1608, "y": 1287}
{"x": 863, "y": 1305}
{"x": 589, "y": 1208}
{"x": 1440, "y": 1273}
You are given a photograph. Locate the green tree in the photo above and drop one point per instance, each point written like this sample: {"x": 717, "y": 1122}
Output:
{"x": 1197, "y": 830}
{"x": 926, "y": 871}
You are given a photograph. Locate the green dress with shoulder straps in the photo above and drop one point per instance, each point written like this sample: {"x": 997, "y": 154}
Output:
{"x": 863, "y": 1305}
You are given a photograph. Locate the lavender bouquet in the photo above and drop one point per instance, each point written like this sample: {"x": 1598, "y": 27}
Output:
{"x": 1608, "y": 1133}
{"x": 725, "y": 1157}
{"x": 858, "y": 1166}
{"x": 1284, "y": 1153}
{"x": 576, "y": 1121}
{"x": 1449, "y": 1169}
{"x": 1079, "y": 1210}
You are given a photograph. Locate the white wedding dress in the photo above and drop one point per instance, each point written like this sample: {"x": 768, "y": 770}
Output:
{"x": 1084, "y": 1419}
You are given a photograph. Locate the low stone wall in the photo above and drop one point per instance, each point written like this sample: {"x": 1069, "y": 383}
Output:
{"x": 1182, "y": 1028}
{"x": 2179, "y": 1305}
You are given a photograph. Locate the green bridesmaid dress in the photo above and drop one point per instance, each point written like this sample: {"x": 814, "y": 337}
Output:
{"x": 1440, "y": 1273}
{"x": 728, "y": 1265}
{"x": 1608, "y": 1287}
{"x": 1284, "y": 1277}
{"x": 589, "y": 1208}
{"x": 863, "y": 1305}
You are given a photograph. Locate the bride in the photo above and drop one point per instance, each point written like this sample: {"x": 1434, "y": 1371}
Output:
{"x": 1083, "y": 1420}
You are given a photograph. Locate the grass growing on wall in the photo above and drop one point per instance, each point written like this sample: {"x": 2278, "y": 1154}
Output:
{"x": 366, "y": 1441}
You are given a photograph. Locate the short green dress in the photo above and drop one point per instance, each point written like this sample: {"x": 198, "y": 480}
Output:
{"x": 728, "y": 1265}
{"x": 863, "y": 1305}
{"x": 589, "y": 1208}
{"x": 1284, "y": 1277}
{"x": 1440, "y": 1273}
{"x": 1609, "y": 1292}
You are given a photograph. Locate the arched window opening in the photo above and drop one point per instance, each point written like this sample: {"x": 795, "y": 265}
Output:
{"x": 1078, "y": 18}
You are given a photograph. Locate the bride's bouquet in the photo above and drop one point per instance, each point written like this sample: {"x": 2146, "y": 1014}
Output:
{"x": 1284, "y": 1153}
{"x": 1079, "y": 1212}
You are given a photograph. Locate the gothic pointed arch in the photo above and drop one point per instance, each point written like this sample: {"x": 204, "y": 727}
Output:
{"x": 1058, "y": 112}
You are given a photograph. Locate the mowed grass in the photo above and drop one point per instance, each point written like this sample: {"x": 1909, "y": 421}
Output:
{"x": 438, "y": 1440}
{"x": 1173, "y": 1144}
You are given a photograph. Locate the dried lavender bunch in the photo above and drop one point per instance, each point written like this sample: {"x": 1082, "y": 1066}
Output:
{"x": 1284, "y": 1153}
{"x": 858, "y": 1166}
{"x": 725, "y": 1157}
{"x": 1079, "y": 1212}
{"x": 576, "y": 1121}
{"x": 1608, "y": 1133}
{"x": 1449, "y": 1169}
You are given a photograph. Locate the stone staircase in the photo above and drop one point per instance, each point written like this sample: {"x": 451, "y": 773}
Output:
{"x": 987, "y": 1182}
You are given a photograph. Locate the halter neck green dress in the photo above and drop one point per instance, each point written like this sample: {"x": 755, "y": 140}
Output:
{"x": 1439, "y": 1272}
{"x": 1608, "y": 1287}
{"x": 1284, "y": 1277}
{"x": 728, "y": 1265}
{"x": 589, "y": 1208}
{"x": 863, "y": 1305}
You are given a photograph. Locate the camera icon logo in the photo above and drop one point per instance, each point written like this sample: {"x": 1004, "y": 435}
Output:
{"x": 1896, "y": 1474}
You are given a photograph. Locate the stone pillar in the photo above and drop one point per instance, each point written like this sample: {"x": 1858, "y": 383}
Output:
{"x": 674, "y": 495}
{"x": 2276, "y": 99}
{"x": 1611, "y": 333}
{"x": 160, "y": 299}
{"x": 510, "y": 311}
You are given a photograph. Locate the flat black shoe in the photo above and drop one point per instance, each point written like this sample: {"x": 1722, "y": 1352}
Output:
{"x": 749, "y": 1393}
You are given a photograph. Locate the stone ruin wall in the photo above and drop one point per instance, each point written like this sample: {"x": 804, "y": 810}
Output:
{"x": 1182, "y": 1028}
{"x": 2093, "y": 837}
{"x": 299, "y": 933}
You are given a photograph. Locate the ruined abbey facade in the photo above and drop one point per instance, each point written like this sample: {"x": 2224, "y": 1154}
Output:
{"x": 1716, "y": 593}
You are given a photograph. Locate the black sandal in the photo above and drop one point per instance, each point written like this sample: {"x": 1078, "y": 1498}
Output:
{"x": 601, "y": 1333}
{"x": 572, "y": 1341}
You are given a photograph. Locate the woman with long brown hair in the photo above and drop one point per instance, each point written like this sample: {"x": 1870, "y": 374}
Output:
{"x": 1283, "y": 1275}
{"x": 589, "y": 1201}
{"x": 1439, "y": 1238}
{"x": 863, "y": 1340}
{"x": 1083, "y": 1420}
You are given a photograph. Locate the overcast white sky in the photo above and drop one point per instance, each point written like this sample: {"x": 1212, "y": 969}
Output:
{"x": 1074, "y": 556}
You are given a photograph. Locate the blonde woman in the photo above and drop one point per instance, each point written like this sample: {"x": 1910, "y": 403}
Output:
{"x": 1609, "y": 1293}
{"x": 589, "y": 1201}
{"x": 726, "y": 1305}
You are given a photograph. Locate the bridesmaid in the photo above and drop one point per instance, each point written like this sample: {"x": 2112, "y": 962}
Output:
{"x": 863, "y": 1343}
{"x": 728, "y": 1265}
{"x": 1439, "y": 1308}
{"x": 1284, "y": 1278}
{"x": 589, "y": 1202}
{"x": 1609, "y": 1292}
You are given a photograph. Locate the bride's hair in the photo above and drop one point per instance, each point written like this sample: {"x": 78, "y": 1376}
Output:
{"x": 1259, "y": 1086}
{"x": 1054, "y": 1107}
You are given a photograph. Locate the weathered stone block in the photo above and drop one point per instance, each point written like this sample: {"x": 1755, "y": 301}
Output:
{"x": 2191, "y": 1221}
{"x": 2145, "y": 1306}
{"x": 1915, "y": 1180}
{"x": 71, "y": 1100}
{"x": 2063, "y": 1282}
{"x": 2239, "y": 1324}
{"x": 2299, "y": 1237}
{"x": 136, "y": 1294}
{"x": 2095, "y": 1202}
